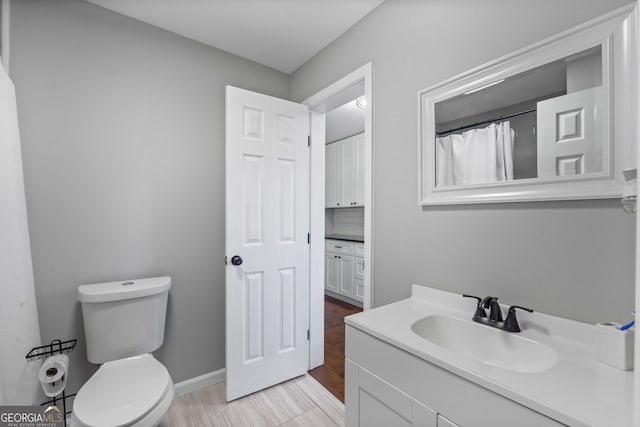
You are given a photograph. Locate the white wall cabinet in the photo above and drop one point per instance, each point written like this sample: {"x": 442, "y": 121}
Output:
{"x": 344, "y": 268}
{"x": 387, "y": 386}
{"x": 344, "y": 186}
{"x": 333, "y": 175}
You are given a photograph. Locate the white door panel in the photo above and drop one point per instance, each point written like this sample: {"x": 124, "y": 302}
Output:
{"x": 267, "y": 221}
{"x": 570, "y": 134}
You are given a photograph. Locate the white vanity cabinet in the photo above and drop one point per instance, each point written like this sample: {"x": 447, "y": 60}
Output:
{"x": 387, "y": 386}
{"x": 344, "y": 171}
{"x": 381, "y": 404}
{"x": 344, "y": 269}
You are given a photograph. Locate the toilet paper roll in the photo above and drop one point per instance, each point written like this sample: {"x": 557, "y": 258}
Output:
{"x": 53, "y": 374}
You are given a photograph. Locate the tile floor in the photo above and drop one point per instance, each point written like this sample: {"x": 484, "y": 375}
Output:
{"x": 301, "y": 402}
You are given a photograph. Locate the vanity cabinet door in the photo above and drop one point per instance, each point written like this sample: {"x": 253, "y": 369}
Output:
{"x": 372, "y": 402}
{"x": 331, "y": 272}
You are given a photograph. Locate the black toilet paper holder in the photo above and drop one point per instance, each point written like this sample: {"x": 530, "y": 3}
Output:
{"x": 54, "y": 347}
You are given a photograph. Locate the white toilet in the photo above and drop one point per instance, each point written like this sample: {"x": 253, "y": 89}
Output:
{"x": 123, "y": 324}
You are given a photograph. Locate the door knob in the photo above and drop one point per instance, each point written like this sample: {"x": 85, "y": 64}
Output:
{"x": 236, "y": 260}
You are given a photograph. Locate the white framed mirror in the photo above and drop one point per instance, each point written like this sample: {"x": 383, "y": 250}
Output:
{"x": 552, "y": 121}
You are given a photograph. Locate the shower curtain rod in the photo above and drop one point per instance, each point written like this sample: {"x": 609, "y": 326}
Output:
{"x": 484, "y": 122}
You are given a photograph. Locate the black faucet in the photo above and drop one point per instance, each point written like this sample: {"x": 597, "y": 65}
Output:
{"x": 495, "y": 314}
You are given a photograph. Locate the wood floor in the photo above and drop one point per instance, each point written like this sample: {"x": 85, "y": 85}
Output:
{"x": 331, "y": 374}
{"x": 301, "y": 402}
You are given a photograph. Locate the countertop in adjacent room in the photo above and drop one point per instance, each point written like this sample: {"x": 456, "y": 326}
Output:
{"x": 347, "y": 237}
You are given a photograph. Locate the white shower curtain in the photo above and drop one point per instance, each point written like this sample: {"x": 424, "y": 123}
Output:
{"x": 477, "y": 156}
{"x": 19, "y": 330}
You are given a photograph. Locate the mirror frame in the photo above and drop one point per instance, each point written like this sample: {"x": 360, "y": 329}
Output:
{"x": 616, "y": 32}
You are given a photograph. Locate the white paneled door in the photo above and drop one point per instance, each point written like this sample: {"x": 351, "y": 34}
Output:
{"x": 570, "y": 134}
{"x": 267, "y": 221}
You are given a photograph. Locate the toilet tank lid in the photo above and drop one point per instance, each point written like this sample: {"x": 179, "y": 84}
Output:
{"x": 123, "y": 289}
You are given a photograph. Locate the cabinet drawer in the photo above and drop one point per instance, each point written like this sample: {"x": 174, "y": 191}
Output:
{"x": 339, "y": 247}
{"x": 359, "y": 247}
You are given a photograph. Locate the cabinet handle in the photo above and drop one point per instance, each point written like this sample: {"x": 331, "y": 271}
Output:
{"x": 337, "y": 204}
{"x": 338, "y": 247}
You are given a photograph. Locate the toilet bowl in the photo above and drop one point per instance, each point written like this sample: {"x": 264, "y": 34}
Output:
{"x": 123, "y": 324}
{"x": 136, "y": 391}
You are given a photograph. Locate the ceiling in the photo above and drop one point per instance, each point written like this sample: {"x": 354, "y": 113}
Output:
{"x": 282, "y": 34}
{"x": 344, "y": 121}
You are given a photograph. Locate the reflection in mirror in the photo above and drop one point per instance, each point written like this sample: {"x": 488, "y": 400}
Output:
{"x": 548, "y": 122}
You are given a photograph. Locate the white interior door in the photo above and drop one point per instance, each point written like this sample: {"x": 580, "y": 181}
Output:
{"x": 267, "y": 221}
{"x": 569, "y": 141}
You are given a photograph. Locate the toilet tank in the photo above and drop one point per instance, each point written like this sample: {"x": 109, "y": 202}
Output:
{"x": 123, "y": 319}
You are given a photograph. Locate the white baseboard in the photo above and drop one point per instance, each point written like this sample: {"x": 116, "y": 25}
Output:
{"x": 202, "y": 381}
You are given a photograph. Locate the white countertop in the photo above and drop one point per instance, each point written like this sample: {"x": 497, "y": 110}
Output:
{"x": 577, "y": 390}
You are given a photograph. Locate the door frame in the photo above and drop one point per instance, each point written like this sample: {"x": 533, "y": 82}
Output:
{"x": 319, "y": 104}
{"x": 4, "y": 25}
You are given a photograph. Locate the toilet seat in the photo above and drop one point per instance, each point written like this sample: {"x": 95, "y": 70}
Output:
{"x": 122, "y": 392}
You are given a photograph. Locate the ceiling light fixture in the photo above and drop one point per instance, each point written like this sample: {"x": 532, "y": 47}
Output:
{"x": 484, "y": 87}
{"x": 361, "y": 102}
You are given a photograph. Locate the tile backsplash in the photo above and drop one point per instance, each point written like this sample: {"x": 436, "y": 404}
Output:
{"x": 345, "y": 221}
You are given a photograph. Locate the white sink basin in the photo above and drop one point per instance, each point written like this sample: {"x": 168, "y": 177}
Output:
{"x": 506, "y": 350}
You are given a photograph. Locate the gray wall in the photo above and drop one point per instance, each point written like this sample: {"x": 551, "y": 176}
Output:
{"x": 574, "y": 259}
{"x": 123, "y": 139}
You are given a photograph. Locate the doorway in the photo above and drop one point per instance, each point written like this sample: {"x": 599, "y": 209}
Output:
{"x": 347, "y": 210}
{"x": 267, "y": 327}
